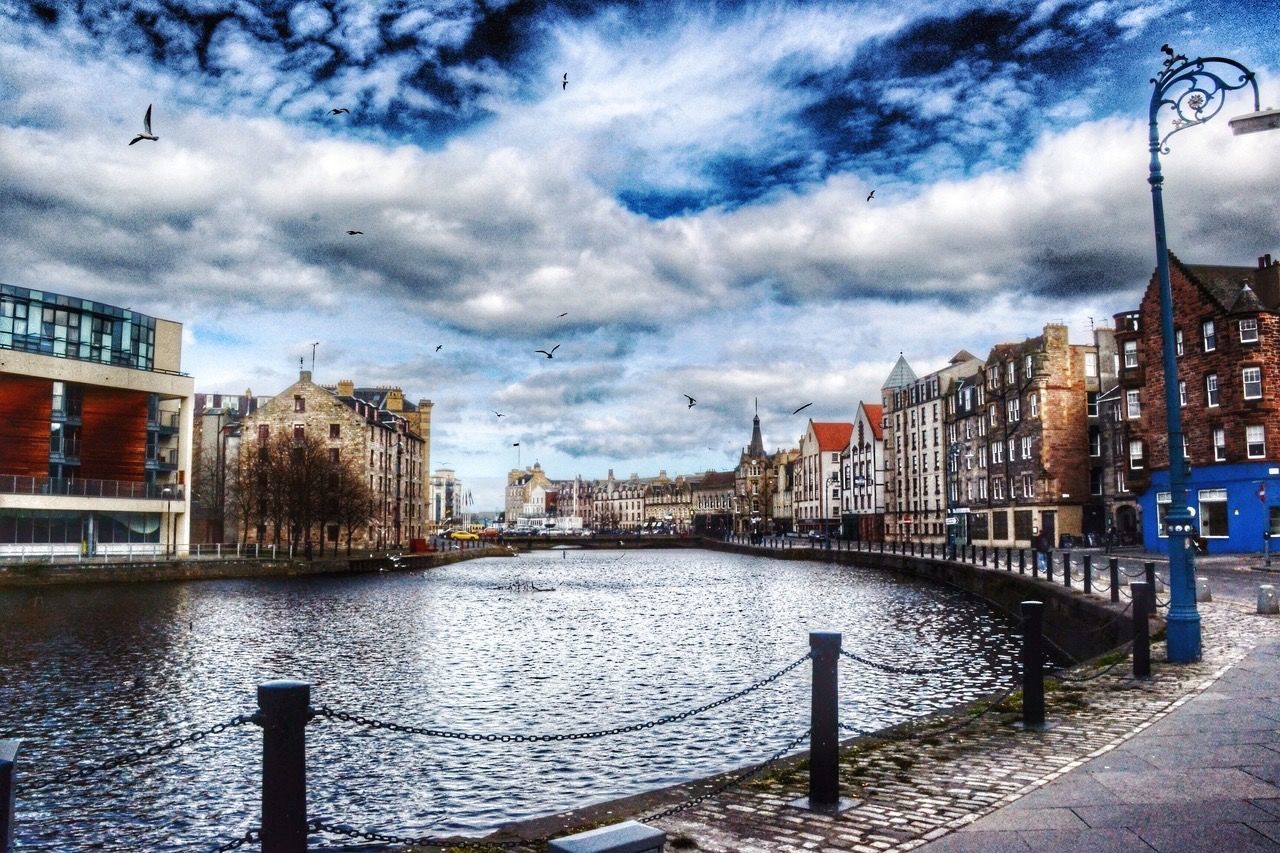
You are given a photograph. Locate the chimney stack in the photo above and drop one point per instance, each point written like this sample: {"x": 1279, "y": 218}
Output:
{"x": 1267, "y": 283}
{"x": 346, "y": 388}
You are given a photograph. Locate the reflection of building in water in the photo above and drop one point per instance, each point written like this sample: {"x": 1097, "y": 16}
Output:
{"x": 95, "y": 428}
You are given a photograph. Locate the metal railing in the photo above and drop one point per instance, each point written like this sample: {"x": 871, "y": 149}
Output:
{"x": 13, "y": 484}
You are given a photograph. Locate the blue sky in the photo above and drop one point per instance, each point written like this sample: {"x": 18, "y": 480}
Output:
{"x": 694, "y": 198}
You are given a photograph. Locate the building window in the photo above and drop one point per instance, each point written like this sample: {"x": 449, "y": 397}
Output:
{"x": 1121, "y": 488}
{"x": 333, "y": 455}
{"x": 299, "y": 432}
{"x": 1014, "y": 409}
{"x": 1210, "y": 336}
{"x": 1220, "y": 444}
{"x": 997, "y": 488}
{"x": 1249, "y": 330}
{"x": 1095, "y": 481}
{"x": 1211, "y": 390}
{"x": 1134, "y": 404}
{"x": 994, "y": 418}
{"x": 982, "y": 489}
{"x": 1213, "y": 513}
{"x": 1095, "y": 441}
{"x": 997, "y": 452}
{"x": 1028, "y": 486}
{"x": 1252, "y": 377}
{"x": 1177, "y": 341}
{"x": 1255, "y": 441}
{"x": 1163, "y": 501}
{"x": 1135, "y": 454}
{"x": 335, "y": 431}
{"x": 1033, "y": 405}
{"x": 1091, "y": 404}
{"x": 264, "y": 432}
{"x": 1091, "y": 365}
{"x": 1130, "y": 353}
{"x": 1013, "y": 372}
{"x": 299, "y": 403}
{"x": 1026, "y": 447}
{"x": 1182, "y": 393}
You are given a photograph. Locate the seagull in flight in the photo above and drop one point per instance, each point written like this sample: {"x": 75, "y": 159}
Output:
{"x": 548, "y": 354}
{"x": 871, "y": 195}
{"x": 565, "y": 314}
{"x": 564, "y": 84}
{"x": 146, "y": 129}
{"x": 438, "y": 346}
{"x": 338, "y": 111}
{"x": 499, "y": 414}
{"x": 691, "y": 401}
{"x": 354, "y": 233}
{"x": 802, "y": 408}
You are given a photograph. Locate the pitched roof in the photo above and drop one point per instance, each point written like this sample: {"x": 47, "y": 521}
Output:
{"x": 875, "y": 416}
{"x": 1223, "y": 284}
{"x": 901, "y": 375}
{"x": 716, "y": 480}
{"x": 832, "y": 437}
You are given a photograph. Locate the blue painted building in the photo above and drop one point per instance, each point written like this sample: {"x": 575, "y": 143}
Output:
{"x": 1234, "y": 505}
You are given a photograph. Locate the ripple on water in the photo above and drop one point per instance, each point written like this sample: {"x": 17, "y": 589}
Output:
{"x": 86, "y": 674}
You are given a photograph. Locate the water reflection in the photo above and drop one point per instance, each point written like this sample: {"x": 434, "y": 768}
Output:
{"x": 88, "y": 673}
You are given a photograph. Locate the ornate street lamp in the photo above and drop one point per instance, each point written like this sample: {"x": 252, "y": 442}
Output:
{"x": 1195, "y": 91}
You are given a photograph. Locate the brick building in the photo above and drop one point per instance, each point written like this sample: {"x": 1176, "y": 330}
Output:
{"x": 1227, "y": 334}
{"x": 95, "y": 428}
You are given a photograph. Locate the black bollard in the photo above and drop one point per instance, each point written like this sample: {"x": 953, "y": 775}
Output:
{"x": 1113, "y": 567}
{"x": 824, "y": 725}
{"x": 284, "y": 707}
{"x": 1048, "y": 566}
{"x": 1088, "y": 573}
{"x": 984, "y": 556}
{"x": 1066, "y": 569}
{"x": 1008, "y": 559}
{"x": 1149, "y": 569}
{"x": 1022, "y": 561}
{"x": 1035, "y": 564}
{"x": 1141, "y": 631}
{"x": 995, "y": 558}
{"x": 8, "y": 761}
{"x": 1032, "y": 664}
{"x": 930, "y": 550}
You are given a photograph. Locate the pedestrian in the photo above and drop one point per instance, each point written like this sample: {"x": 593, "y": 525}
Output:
{"x": 1041, "y": 546}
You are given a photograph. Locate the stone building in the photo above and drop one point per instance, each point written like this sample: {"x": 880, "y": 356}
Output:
{"x": 753, "y": 486}
{"x": 448, "y": 500}
{"x": 785, "y": 464}
{"x": 1032, "y": 469}
{"x": 619, "y": 504}
{"x": 713, "y": 503}
{"x": 862, "y": 486}
{"x": 215, "y": 448}
{"x": 817, "y": 483}
{"x": 526, "y": 494}
{"x": 914, "y": 444}
{"x": 385, "y": 448}
{"x": 1227, "y": 332}
{"x": 668, "y": 504}
{"x": 390, "y": 398}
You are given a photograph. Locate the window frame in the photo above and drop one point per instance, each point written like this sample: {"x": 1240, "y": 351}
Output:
{"x": 1241, "y": 326}
{"x": 1261, "y": 444}
{"x": 1244, "y": 381}
{"x": 1209, "y": 335}
{"x": 1212, "y": 392}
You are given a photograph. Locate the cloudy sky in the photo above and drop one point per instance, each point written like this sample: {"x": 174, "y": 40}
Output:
{"x": 694, "y": 199}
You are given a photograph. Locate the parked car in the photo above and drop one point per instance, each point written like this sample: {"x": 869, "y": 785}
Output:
{"x": 463, "y": 535}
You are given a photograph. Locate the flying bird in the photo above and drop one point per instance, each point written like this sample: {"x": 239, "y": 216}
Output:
{"x": 499, "y": 414}
{"x": 871, "y": 195}
{"x": 354, "y": 233}
{"x": 802, "y": 408}
{"x": 691, "y": 400}
{"x": 146, "y": 128}
{"x": 548, "y": 354}
{"x": 338, "y": 111}
{"x": 564, "y": 84}
{"x": 438, "y": 346}
{"x": 565, "y": 314}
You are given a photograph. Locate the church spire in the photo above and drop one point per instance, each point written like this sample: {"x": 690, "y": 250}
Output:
{"x": 756, "y": 449}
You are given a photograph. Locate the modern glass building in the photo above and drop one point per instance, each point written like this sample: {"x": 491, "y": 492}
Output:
{"x": 95, "y": 426}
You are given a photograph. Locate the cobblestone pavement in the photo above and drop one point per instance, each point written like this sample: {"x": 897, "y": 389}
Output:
{"x": 911, "y": 790}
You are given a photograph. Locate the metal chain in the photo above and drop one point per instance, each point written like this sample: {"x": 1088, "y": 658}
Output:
{"x": 896, "y": 670}
{"x": 251, "y": 837}
{"x": 732, "y": 782}
{"x": 139, "y": 755}
{"x": 325, "y": 711}
{"x": 1090, "y": 677}
{"x": 417, "y": 841}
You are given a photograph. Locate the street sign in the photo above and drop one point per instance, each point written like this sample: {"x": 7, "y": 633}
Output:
{"x": 952, "y": 520}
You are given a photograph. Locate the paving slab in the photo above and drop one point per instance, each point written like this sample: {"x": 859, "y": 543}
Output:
{"x": 1207, "y": 838}
{"x": 1084, "y": 841}
{"x": 1140, "y": 815}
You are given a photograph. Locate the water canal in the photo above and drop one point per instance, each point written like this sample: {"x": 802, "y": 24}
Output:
{"x": 625, "y": 636}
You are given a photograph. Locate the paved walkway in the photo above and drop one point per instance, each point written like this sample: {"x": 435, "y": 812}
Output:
{"x": 1202, "y": 777}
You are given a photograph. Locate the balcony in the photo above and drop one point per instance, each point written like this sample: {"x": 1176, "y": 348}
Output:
{"x": 11, "y": 484}
{"x": 165, "y": 459}
{"x": 166, "y": 423}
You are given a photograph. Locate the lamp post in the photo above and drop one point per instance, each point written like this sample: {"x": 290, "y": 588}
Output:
{"x": 949, "y": 522}
{"x": 1195, "y": 94}
{"x": 168, "y": 518}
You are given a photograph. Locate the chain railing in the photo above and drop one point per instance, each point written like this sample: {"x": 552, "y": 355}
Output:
{"x": 138, "y": 756}
{"x": 368, "y": 722}
{"x": 895, "y": 670}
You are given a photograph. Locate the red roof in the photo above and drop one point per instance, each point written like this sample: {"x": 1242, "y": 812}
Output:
{"x": 832, "y": 436}
{"x": 875, "y": 414}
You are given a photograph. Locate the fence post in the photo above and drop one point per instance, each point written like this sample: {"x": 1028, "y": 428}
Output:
{"x": 1141, "y": 630}
{"x": 1066, "y": 569}
{"x": 1113, "y": 568}
{"x": 1150, "y": 569}
{"x": 824, "y": 726}
{"x": 995, "y": 557}
{"x": 1022, "y": 561}
{"x": 1048, "y": 566}
{"x": 1008, "y": 558}
{"x": 984, "y": 556}
{"x": 8, "y": 761}
{"x": 1088, "y": 573}
{"x": 284, "y": 707}
{"x": 1032, "y": 664}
